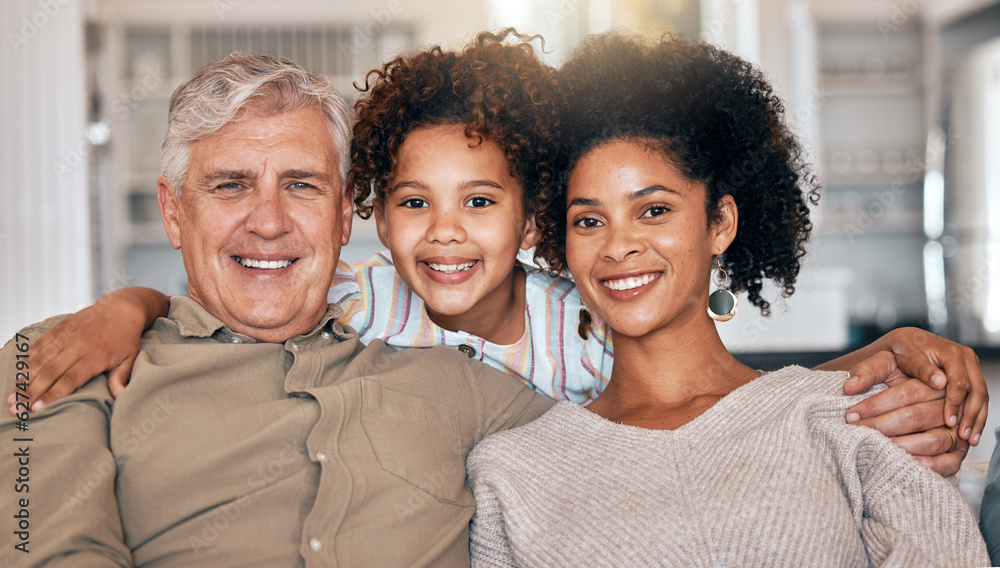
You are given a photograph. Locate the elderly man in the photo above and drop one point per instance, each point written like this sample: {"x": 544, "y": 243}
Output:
{"x": 256, "y": 430}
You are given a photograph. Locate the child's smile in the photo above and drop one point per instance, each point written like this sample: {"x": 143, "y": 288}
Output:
{"x": 453, "y": 219}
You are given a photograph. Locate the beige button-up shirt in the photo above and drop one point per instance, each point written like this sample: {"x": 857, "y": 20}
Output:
{"x": 224, "y": 451}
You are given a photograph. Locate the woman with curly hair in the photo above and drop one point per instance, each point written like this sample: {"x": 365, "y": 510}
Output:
{"x": 678, "y": 167}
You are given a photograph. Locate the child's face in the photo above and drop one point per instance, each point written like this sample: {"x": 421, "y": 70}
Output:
{"x": 453, "y": 219}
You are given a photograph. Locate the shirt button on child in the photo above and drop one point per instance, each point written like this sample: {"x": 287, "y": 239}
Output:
{"x": 467, "y": 350}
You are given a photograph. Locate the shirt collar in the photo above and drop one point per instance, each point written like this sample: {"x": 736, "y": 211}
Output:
{"x": 193, "y": 320}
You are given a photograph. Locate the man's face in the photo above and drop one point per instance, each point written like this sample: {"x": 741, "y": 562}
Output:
{"x": 260, "y": 222}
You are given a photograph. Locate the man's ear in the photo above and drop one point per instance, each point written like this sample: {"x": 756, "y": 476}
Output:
{"x": 169, "y": 207}
{"x": 381, "y": 227}
{"x": 724, "y": 221}
{"x": 347, "y": 210}
{"x": 531, "y": 235}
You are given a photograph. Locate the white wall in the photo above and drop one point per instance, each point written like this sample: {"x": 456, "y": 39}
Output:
{"x": 44, "y": 216}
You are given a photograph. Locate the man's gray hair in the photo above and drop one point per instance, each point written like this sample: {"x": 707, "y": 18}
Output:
{"x": 260, "y": 83}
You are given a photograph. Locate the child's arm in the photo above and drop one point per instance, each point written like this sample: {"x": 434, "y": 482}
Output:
{"x": 950, "y": 388}
{"x": 97, "y": 339}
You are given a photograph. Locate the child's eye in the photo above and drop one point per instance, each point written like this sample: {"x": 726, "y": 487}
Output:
{"x": 414, "y": 203}
{"x": 587, "y": 223}
{"x": 478, "y": 202}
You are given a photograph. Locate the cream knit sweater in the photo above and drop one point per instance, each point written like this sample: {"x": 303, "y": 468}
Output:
{"x": 769, "y": 476}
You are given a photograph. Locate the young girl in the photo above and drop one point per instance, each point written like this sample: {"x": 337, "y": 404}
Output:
{"x": 680, "y": 168}
{"x": 452, "y": 152}
{"x": 454, "y": 148}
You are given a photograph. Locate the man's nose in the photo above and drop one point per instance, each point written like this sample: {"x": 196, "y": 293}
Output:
{"x": 268, "y": 216}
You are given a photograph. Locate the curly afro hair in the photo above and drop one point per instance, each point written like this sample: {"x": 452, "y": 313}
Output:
{"x": 497, "y": 88}
{"x": 718, "y": 121}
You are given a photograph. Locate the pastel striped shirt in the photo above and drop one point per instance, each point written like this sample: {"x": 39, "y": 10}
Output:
{"x": 551, "y": 357}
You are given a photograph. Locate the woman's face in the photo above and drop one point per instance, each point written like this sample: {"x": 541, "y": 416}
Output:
{"x": 638, "y": 240}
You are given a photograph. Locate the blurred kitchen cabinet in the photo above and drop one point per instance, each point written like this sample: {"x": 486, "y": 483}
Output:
{"x": 871, "y": 156}
{"x": 872, "y": 134}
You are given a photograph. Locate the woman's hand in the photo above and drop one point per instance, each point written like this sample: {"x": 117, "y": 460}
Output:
{"x": 97, "y": 339}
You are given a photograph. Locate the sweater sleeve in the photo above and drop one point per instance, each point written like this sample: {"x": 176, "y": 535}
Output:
{"x": 907, "y": 514}
{"x": 61, "y": 473}
{"x": 488, "y": 544}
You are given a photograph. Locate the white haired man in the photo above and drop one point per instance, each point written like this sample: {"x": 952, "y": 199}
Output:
{"x": 256, "y": 430}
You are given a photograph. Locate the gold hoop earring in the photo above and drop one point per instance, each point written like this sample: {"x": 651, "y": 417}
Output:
{"x": 722, "y": 303}
{"x": 584, "y": 327}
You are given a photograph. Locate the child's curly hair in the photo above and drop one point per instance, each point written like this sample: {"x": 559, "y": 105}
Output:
{"x": 716, "y": 118}
{"x": 500, "y": 91}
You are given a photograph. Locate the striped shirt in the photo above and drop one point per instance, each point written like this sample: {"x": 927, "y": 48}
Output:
{"x": 551, "y": 357}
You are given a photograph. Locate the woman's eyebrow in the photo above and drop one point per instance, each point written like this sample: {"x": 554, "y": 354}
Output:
{"x": 646, "y": 191}
{"x": 583, "y": 202}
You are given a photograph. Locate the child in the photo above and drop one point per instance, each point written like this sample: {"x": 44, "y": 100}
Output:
{"x": 455, "y": 148}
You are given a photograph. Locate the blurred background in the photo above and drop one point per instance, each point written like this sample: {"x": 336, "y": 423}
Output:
{"x": 897, "y": 101}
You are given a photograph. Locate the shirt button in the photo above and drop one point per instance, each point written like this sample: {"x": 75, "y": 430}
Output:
{"x": 315, "y": 544}
{"x": 326, "y": 335}
{"x": 321, "y": 456}
{"x": 237, "y": 340}
{"x": 467, "y": 350}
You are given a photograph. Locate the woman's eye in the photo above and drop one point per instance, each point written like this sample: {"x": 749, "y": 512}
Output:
{"x": 414, "y": 203}
{"x": 587, "y": 223}
{"x": 477, "y": 202}
{"x": 655, "y": 211}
